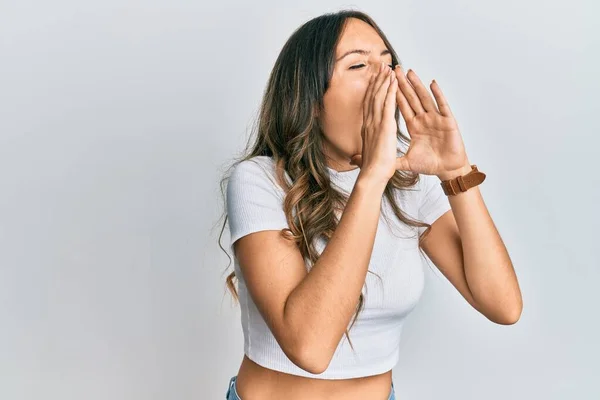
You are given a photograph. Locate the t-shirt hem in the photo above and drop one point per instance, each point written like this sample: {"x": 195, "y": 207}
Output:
{"x": 293, "y": 369}
{"x": 266, "y": 226}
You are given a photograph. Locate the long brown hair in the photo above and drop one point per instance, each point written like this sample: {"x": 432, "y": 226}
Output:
{"x": 288, "y": 130}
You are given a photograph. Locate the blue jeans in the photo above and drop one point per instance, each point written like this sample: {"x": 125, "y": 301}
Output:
{"x": 232, "y": 392}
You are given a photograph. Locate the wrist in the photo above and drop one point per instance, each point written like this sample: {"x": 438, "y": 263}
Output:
{"x": 371, "y": 182}
{"x": 447, "y": 175}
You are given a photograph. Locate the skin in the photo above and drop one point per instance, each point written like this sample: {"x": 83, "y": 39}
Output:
{"x": 342, "y": 119}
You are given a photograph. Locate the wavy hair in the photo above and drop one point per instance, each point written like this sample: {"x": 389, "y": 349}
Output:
{"x": 288, "y": 131}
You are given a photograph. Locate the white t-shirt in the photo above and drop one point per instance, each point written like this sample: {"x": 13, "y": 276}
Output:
{"x": 254, "y": 203}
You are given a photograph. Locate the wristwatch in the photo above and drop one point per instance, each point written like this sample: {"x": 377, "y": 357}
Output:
{"x": 463, "y": 183}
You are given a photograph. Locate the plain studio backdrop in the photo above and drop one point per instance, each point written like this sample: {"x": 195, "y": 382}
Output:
{"x": 118, "y": 118}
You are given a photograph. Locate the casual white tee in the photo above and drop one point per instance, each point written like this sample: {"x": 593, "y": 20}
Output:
{"x": 254, "y": 203}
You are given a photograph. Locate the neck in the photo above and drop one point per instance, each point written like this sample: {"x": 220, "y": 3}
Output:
{"x": 336, "y": 159}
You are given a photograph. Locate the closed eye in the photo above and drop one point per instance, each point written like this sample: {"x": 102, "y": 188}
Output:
{"x": 362, "y": 65}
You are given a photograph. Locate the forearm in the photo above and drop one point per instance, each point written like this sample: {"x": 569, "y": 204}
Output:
{"x": 488, "y": 268}
{"x": 322, "y": 305}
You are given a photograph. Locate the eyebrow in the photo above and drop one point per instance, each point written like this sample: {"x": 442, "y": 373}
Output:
{"x": 363, "y": 52}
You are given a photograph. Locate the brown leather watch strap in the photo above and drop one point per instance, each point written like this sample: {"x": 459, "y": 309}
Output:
{"x": 463, "y": 183}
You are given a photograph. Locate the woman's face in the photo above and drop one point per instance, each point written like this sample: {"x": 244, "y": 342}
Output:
{"x": 342, "y": 116}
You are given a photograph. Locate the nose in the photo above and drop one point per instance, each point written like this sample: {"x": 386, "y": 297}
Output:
{"x": 375, "y": 67}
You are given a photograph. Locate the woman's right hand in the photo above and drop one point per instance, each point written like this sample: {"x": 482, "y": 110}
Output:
{"x": 379, "y": 129}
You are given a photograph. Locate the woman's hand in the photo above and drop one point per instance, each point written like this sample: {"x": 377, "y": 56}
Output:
{"x": 379, "y": 155}
{"x": 436, "y": 146}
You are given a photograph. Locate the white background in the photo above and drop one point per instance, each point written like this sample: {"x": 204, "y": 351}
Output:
{"x": 117, "y": 118}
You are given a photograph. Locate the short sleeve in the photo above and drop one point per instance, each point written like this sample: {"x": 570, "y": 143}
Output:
{"x": 433, "y": 202}
{"x": 254, "y": 200}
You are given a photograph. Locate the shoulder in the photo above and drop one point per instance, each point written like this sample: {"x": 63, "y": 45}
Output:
{"x": 423, "y": 185}
{"x": 427, "y": 183}
{"x": 256, "y": 165}
{"x": 412, "y": 193}
{"x": 415, "y": 198}
{"x": 254, "y": 181}
{"x": 254, "y": 199}
{"x": 255, "y": 171}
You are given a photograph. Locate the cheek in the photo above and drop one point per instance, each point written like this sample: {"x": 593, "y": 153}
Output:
{"x": 346, "y": 94}
{"x": 358, "y": 88}
{"x": 354, "y": 94}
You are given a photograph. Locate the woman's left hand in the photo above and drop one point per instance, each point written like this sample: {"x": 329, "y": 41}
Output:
{"x": 436, "y": 146}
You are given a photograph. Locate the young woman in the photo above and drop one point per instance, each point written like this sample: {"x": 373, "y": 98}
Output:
{"x": 326, "y": 195}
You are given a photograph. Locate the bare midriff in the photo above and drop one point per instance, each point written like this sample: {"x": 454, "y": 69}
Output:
{"x": 255, "y": 382}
